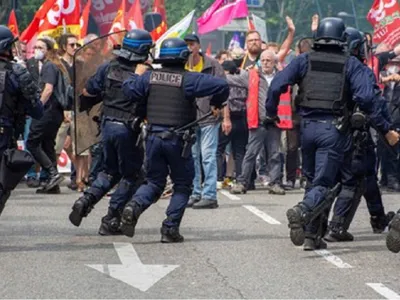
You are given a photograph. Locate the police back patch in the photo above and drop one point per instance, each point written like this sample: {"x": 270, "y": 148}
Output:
{"x": 165, "y": 78}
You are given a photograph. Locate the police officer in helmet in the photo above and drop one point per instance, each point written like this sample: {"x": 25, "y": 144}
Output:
{"x": 120, "y": 129}
{"x": 169, "y": 95}
{"x": 19, "y": 95}
{"x": 330, "y": 84}
{"x": 358, "y": 171}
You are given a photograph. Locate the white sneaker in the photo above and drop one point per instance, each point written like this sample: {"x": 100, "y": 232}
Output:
{"x": 220, "y": 185}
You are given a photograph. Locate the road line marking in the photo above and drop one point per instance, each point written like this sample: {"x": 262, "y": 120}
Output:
{"x": 333, "y": 259}
{"x": 229, "y": 195}
{"x": 383, "y": 290}
{"x": 262, "y": 215}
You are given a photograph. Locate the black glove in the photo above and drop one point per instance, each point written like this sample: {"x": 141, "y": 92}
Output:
{"x": 268, "y": 121}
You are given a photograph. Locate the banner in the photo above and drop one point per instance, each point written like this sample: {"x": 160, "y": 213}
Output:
{"x": 104, "y": 12}
{"x": 261, "y": 27}
{"x": 221, "y": 13}
{"x": 12, "y": 24}
{"x": 384, "y": 16}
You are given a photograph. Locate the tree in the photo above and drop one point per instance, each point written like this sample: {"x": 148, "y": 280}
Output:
{"x": 5, "y": 11}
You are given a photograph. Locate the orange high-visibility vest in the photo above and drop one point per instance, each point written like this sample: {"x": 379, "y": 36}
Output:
{"x": 285, "y": 111}
{"x": 252, "y": 99}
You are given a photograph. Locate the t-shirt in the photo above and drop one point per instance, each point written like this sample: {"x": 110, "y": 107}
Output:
{"x": 248, "y": 62}
{"x": 196, "y": 68}
{"x": 49, "y": 74}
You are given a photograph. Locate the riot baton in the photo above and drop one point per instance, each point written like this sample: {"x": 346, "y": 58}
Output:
{"x": 192, "y": 124}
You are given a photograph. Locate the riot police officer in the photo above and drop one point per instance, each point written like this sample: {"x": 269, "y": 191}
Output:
{"x": 169, "y": 94}
{"x": 329, "y": 80}
{"x": 120, "y": 124}
{"x": 358, "y": 171}
{"x": 19, "y": 94}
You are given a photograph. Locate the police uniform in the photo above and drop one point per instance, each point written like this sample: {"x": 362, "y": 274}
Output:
{"x": 19, "y": 95}
{"x": 328, "y": 81}
{"x": 169, "y": 94}
{"x": 122, "y": 158}
{"x": 358, "y": 171}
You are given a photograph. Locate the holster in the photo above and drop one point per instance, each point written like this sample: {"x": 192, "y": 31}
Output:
{"x": 13, "y": 167}
{"x": 189, "y": 139}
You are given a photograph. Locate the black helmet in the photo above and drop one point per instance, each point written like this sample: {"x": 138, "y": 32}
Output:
{"x": 6, "y": 38}
{"x": 136, "y": 46}
{"x": 355, "y": 42}
{"x": 331, "y": 31}
{"x": 173, "y": 50}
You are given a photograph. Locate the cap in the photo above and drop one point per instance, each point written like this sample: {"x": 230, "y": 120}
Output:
{"x": 192, "y": 38}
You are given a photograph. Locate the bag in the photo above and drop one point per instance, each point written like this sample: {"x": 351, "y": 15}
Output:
{"x": 64, "y": 92}
{"x": 13, "y": 167}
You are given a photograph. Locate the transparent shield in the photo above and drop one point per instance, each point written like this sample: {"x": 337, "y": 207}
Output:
{"x": 87, "y": 59}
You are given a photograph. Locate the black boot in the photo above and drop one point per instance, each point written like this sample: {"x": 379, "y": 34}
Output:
{"x": 379, "y": 223}
{"x": 54, "y": 179}
{"x": 337, "y": 232}
{"x": 81, "y": 209}
{"x": 393, "y": 237}
{"x": 313, "y": 242}
{"x": 130, "y": 216}
{"x": 296, "y": 220}
{"x": 111, "y": 223}
{"x": 171, "y": 235}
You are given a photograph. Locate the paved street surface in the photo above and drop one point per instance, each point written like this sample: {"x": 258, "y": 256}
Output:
{"x": 240, "y": 250}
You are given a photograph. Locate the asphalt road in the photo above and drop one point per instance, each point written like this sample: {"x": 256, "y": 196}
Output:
{"x": 240, "y": 250}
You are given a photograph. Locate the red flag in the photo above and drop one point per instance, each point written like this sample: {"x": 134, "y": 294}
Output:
{"x": 250, "y": 25}
{"x": 84, "y": 20}
{"x": 209, "y": 49}
{"x": 12, "y": 24}
{"x": 159, "y": 7}
{"x": 119, "y": 21}
{"x": 29, "y": 34}
{"x": 384, "y": 16}
{"x": 63, "y": 17}
{"x": 134, "y": 17}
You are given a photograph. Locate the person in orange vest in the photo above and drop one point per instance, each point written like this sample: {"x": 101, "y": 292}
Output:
{"x": 259, "y": 135}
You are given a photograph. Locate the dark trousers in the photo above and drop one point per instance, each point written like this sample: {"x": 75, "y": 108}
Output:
{"x": 238, "y": 138}
{"x": 122, "y": 165}
{"x": 163, "y": 158}
{"x": 292, "y": 153}
{"x": 42, "y": 136}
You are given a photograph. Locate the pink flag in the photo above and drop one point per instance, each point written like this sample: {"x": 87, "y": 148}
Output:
{"x": 220, "y": 13}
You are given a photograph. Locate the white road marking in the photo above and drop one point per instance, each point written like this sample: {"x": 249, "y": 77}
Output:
{"x": 333, "y": 259}
{"x": 229, "y": 195}
{"x": 383, "y": 290}
{"x": 262, "y": 215}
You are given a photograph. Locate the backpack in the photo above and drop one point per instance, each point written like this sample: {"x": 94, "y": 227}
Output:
{"x": 64, "y": 92}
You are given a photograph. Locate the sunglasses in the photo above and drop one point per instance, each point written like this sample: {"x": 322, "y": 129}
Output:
{"x": 74, "y": 45}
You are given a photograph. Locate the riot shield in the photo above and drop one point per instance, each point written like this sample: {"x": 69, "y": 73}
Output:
{"x": 87, "y": 59}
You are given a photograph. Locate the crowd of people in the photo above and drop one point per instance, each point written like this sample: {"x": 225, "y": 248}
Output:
{"x": 232, "y": 150}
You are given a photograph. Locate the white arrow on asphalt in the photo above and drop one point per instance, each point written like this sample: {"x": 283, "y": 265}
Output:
{"x": 132, "y": 271}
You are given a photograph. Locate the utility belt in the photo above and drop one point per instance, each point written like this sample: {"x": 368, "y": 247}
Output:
{"x": 188, "y": 137}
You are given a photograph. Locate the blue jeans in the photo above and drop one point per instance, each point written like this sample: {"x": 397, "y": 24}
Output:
{"x": 32, "y": 171}
{"x": 163, "y": 157}
{"x": 205, "y": 152}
